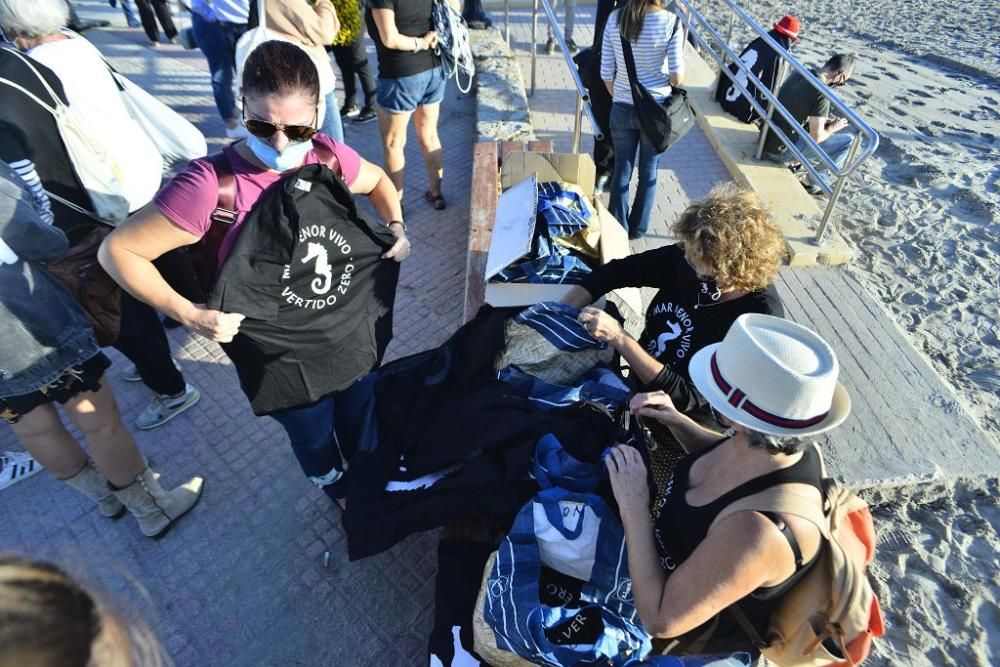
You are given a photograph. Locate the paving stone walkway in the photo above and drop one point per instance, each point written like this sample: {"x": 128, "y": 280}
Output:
{"x": 241, "y": 580}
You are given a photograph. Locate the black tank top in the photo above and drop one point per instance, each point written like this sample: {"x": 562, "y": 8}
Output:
{"x": 679, "y": 528}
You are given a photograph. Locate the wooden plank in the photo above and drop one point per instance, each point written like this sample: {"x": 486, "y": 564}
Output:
{"x": 482, "y": 211}
{"x": 906, "y": 423}
{"x": 541, "y": 146}
{"x": 508, "y": 147}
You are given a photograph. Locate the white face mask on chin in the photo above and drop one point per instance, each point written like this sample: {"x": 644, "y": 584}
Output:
{"x": 293, "y": 156}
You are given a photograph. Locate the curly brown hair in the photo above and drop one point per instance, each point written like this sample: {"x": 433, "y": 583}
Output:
{"x": 732, "y": 232}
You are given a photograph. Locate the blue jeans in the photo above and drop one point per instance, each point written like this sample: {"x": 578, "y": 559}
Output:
{"x": 332, "y": 126}
{"x": 129, "y": 11}
{"x": 405, "y": 94}
{"x": 626, "y": 138}
{"x": 325, "y": 435}
{"x": 218, "y": 42}
{"x": 837, "y": 146}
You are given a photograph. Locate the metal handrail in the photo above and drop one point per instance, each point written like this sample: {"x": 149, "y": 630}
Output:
{"x": 582, "y": 96}
{"x": 864, "y": 130}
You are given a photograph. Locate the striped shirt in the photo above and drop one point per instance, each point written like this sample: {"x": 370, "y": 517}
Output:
{"x": 657, "y": 56}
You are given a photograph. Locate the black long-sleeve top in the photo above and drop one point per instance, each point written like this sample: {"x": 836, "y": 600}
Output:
{"x": 682, "y": 318}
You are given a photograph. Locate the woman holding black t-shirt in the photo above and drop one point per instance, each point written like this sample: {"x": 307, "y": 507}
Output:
{"x": 410, "y": 83}
{"x": 723, "y": 265}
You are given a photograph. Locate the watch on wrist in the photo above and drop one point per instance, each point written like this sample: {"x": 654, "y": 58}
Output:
{"x": 416, "y": 45}
{"x": 397, "y": 222}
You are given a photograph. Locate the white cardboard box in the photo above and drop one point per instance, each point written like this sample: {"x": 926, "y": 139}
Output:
{"x": 515, "y": 224}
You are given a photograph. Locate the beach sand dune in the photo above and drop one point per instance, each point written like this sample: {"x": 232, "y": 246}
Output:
{"x": 924, "y": 212}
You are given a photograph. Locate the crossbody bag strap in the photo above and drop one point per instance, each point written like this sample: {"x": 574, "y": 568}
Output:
{"x": 633, "y": 77}
{"x": 42, "y": 103}
{"x": 45, "y": 84}
{"x": 751, "y": 632}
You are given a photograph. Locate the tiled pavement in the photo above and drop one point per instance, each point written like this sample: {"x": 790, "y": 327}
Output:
{"x": 241, "y": 580}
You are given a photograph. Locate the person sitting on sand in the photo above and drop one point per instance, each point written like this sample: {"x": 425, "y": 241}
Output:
{"x": 771, "y": 383}
{"x": 810, "y": 108}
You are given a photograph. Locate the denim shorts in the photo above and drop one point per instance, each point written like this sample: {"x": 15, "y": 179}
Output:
{"x": 406, "y": 93}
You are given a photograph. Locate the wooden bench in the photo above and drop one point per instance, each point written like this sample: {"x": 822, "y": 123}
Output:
{"x": 487, "y": 159}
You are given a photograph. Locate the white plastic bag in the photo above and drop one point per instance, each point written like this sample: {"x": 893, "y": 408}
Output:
{"x": 177, "y": 140}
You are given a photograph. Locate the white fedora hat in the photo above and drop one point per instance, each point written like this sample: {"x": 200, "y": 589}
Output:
{"x": 773, "y": 376}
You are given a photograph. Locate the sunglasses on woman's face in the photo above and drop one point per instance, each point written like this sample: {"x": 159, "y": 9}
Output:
{"x": 265, "y": 129}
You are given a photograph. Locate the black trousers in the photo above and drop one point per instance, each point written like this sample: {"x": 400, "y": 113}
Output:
{"x": 604, "y": 152}
{"x": 144, "y": 342}
{"x": 353, "y": 60}
{"x": 162, "y": 12}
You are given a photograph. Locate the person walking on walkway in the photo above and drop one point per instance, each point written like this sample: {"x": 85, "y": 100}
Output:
{"x": 352, "y": 59}
{"x": 315, "y": 300}
{"x": 216, "y": 26}
{"x": 129, "y": 11}
{"x": 48, "y": 354}
{"x": 569, "y": 10}
{"x": 658, "y": 47}
{"x": 410, "y": 83}
{"x": 149, "y": 12}
{"x": 30, "y": 141}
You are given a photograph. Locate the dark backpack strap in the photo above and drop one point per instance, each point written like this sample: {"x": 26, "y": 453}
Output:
{"x": 789, "y": 536}
{"x": 329, "y": 158}
{"x": 747, "y": 626}
{"x": 222, "y": 218}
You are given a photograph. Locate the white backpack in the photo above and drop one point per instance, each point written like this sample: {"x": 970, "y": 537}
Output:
{"x": 99, "y": 173}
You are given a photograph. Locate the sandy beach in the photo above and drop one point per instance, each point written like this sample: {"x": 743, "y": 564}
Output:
{"x": 923, "y": 214}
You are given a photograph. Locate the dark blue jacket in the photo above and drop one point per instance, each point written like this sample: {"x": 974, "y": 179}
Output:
{"x": 42, "y": 329}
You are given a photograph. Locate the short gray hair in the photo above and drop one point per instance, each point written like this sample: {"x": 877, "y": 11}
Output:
{"x": 774, "y": 444}
{"x": 34, "y": 18}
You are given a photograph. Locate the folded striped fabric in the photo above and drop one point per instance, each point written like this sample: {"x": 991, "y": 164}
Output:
{"x": 557, "y": 323}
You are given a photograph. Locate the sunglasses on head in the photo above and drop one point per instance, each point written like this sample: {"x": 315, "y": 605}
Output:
{"x": 265, "y": 129}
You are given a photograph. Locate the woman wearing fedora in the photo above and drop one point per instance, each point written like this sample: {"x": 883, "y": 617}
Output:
{"x": 770, "y": 383}
{"x": 723, "y": 265}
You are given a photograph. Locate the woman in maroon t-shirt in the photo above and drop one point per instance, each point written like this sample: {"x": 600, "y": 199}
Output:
{"x": 281, "y": 98}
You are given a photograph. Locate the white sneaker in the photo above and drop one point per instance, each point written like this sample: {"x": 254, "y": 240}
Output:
{"x": 131, "y": 373}
{"x": 15, "y": 466}
{"x": 164, "y": 408}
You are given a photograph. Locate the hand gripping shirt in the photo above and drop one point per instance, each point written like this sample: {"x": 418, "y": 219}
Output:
{"x": 307, "y": 272}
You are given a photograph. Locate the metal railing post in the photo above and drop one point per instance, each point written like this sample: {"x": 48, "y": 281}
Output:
{"x": 506, "y": 20}
{"x": 534, "y": 44}
{"x": 835, "y": 195}
{"x": 577, "y": 123}
{"x": 782, "y": 68}
{"x": 729, "y": 39}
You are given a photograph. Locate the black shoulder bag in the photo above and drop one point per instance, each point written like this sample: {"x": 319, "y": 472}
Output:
{"x": 662, "y": 124}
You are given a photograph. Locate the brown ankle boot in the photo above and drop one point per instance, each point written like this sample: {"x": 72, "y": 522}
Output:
{"x": 92, "y": 484}
{"x": 156, "y": 510}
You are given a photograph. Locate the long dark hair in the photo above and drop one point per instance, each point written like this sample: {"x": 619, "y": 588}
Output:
{"x": 280, "y": 68}
{"x": 632, "y": 16}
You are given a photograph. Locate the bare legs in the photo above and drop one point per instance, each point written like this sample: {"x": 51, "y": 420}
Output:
{"x": 425, "y": 122}
{"x": 96, "y": 415}
{"x": 393, "y": 127}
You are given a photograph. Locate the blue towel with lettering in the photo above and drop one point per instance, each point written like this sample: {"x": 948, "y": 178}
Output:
{"x": 577, "y": 534}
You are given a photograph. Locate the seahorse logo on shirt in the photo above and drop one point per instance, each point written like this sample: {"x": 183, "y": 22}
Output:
{"x": 324, "y": 281}
{"x": 666, "y": 337}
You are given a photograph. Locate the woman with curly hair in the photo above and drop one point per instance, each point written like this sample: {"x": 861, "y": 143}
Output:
{"x": 723, "y": 265}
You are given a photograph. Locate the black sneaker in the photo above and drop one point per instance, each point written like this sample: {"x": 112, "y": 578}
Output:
{"x": 366, "y": 115}
{"x": 571, "y": 46}
{"x": 349, "y": 111}
{"x": 550, "y": 47}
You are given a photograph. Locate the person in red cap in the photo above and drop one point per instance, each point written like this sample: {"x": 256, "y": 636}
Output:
{"x": 763, "y": 61}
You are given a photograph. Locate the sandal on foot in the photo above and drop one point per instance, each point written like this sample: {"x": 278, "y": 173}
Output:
{"x": 436, "y": 201}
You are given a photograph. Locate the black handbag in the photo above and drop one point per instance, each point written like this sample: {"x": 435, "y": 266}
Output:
{"x": 662, "y": 124}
